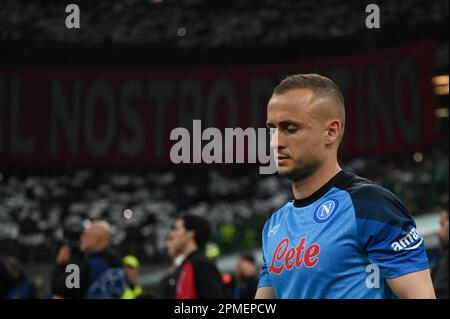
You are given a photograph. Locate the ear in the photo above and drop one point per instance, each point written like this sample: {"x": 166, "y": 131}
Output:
{"x": 191, "y": 233}
{"x": 333, "y": 131}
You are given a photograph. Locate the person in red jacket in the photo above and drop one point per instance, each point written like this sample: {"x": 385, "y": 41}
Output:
{"x": 196, "y": 277}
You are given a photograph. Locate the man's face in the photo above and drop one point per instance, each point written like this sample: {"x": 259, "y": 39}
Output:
{"x": 180, "y": 237}
{"x": 297, "y": 133}
{"x": 443, "y": 232}
{"x": 239, "y": 268}
{"x": 170, "y": 247}
{"x": 132, "y": 274}
{"x": 88, "y": 240}
{"x": 244, "y": 268}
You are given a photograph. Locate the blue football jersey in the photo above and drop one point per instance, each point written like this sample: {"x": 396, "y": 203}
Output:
{"x": 343, "y": 241}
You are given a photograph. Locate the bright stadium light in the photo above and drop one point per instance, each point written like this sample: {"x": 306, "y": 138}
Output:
{"x": 440, "y": 80}
{"x": 442, "y": 112}
{"x": 128, "y": 213}
{"x": 441, "y": 90}
{"x": 417, "y": 157}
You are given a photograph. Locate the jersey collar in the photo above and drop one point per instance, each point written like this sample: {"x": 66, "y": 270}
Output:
{"x": 334, "y": 181}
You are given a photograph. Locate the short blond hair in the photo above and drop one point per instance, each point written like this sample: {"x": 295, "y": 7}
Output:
{"x": 318, "y": 84}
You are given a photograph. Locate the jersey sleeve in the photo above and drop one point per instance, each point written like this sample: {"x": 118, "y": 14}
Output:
{"x": 264, "y": 279}
{"x": 387, "y": 233}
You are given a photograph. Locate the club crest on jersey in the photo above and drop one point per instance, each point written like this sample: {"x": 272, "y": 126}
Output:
{"x": 325, "y": 210}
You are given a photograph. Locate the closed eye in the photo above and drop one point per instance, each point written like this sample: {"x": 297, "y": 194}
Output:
{"x": 290, "y": 129}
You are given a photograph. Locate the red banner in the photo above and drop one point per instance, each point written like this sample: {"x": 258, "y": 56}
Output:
{"x": 117, "y": 116}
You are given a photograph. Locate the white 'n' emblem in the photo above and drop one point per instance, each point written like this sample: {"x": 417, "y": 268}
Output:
{"x": 325, "y": 210}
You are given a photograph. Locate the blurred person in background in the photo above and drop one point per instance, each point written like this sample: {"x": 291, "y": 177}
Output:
{"x": 5, "y": 279}
{"x": 246, "y": 280}
{"x": 69, "y": 253}
{"x": 98, "y": 258}
{"x": 196, "y": 277}
{"x": 168, "y": 283}
{"x": 14, "y": 283}
{"x": 102, "y": 274}
{"x": 440, "y": 273}
{"x": 133, "y": 290}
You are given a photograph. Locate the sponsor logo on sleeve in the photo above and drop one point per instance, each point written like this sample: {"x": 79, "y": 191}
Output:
{"x": 410, "y": 241}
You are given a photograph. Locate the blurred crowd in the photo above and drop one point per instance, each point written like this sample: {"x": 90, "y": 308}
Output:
{"x": 41, "y": 210}
{"x": 94, "y": 270}
{"x": 206, "y": 24}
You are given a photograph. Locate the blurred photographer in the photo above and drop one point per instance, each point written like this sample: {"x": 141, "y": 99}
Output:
{"x": 95, "y": 259}
{"x": 68, "y": 253}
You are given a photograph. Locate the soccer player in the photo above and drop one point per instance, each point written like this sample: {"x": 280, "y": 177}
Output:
{"x": 342, "y": 236}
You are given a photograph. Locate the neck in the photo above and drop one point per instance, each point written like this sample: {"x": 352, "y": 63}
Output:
{"x": 306, "y": 187}
{"x": 190, "y": 248}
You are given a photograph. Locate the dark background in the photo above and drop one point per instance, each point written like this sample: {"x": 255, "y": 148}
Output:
{"x": 44, "y": 201}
